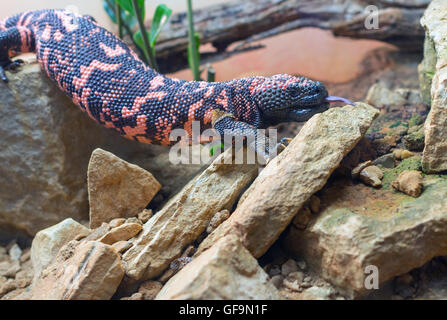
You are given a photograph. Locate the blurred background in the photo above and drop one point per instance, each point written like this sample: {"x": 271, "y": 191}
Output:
{"x": 309, "y": 52}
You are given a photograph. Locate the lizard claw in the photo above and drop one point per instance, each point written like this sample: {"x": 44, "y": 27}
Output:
{"x": 9, "y": 65}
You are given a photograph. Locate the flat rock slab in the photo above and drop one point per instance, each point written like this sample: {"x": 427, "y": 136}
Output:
{"x": 276, "y": 196}
{"x": 360, "y": 227}
{"x": 47, "y": 242}
{"x": 186, "y": 216}
{"x": 435, "y": 153}
{"x": 226, "y": 271}
{"x": 87, "y": 270}
{"x": 116, "y": 188}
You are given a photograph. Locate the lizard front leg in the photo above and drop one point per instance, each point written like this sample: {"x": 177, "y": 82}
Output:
{"x": 19, "y": 39}
{"x": 227, "y": 125}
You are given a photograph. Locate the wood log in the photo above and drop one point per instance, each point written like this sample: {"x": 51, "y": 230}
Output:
{"x": 252, "y": 20}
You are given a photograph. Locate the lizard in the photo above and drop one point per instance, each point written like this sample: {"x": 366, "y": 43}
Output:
{"x": 109, "y": 82}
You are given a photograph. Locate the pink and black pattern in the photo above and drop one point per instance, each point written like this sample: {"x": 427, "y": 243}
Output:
{"x": 108, "y": 81}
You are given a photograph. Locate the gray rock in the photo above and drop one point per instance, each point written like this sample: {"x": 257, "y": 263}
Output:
{"x": 46, "y": 145}
{"x": 385, "y": 161}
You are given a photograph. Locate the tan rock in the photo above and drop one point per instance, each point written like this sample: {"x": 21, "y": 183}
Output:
{"x": 434, "y": 158}
{"x": 145, "y": 215}
{"x": 84, "y": 270}
{"x": 217, "y": 219}
{"x": 401, "y": 154}
{"x": 409, "y": 182}
{"x": 302, "y": 218}
{"x": 385, "y": 229}
{"x": 150, "y": 289}
{"x": 225, "y": 271}
{"x": 122, "y": 233}
{"x": 116, "y": 222}
{"x": 372, "y": 176}
{"x": 116, "y": 188}
{"x": 47, "y": 242}
{"x": 356, "y": 171}
{"x": 291, "y": 178}
{"x": 121, "y": 246}
{"x": 381, "y": 97}
{"x": 314, "y": 204}
{"x": 98, "y": 233}
{"x": 185, "y": 217}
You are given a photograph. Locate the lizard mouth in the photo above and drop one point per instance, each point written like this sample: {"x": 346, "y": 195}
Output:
{"x": 304, "y": 114}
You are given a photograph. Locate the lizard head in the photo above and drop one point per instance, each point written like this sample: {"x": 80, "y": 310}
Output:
{"x": 285, "y": 98}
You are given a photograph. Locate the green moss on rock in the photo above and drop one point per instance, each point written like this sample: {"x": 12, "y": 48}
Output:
{"x": 413, "y": 163}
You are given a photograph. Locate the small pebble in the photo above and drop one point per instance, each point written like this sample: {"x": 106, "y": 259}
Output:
{"x": 409, "y": 182}
{"x": 145, "y": 215}
{"x": 277, "y": 280}
{"x": 288, "y": 267}
{"x": 15, "y": 252}
{"x": 116, "y": 222}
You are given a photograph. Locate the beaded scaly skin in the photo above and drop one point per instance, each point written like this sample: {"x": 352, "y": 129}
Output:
{"x": 108, "y": 81}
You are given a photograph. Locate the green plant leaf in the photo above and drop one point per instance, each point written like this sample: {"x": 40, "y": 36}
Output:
{"x": 161, "y": 16}
{"x": 126, "y": 5}
{"x": 138, "y": 38}
{"x": 194, "y": 52}
{"x": 141, "y": 8}
{"x": 127, "y": 18}
{"x": 109, "y": 10}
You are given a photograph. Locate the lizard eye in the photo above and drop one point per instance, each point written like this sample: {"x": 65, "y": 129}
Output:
{"x": 293, "y": 91}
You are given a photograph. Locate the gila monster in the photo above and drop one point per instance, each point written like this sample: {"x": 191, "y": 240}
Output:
{"x": 109, "y": 82}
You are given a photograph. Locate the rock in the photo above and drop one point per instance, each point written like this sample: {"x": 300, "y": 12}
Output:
{"x": 9, "y": 269}
{"x": 116, "y": 222}
{"x": 385, "y": 161}
{"x": 217, "y": 219}
{"x": 122, "y": 233}
{"x": 372, "y": 176}
{"x": 225, "y": 271}
{"x": 134, "y": 220}
{"x": 359, "y": 227}
{"x": 116, "y": 188}
{"x": 121, "y": 246}
{"x": 98, "y": 233}
{"x": 15, "y": 252}
{"x": 381, "y": 97}
{"x": 145, "y": 215}
{"x": 277, "y": 281}
{"x": 290, "y": 179}
{"x": 288, "y": 267}
{"x": 26, "y": 255}
{"x": 409, "y": 182}
{"x": 185, "y": 217}
{"x": 402, "y": 154}
{"x": 434, "y": 158}
{"x": 85, "y": 270}
{"x": 302, "y": 265}
{"x": 297, "y": 275}
{"x": 46, "y": 144}
{"x": 292, "y": 285}
{"x": 302, "y": 218}
{"x": 356, "y": 171}
{"x": 317, "y": 293}
{"x": 413, "y": 163}
{"x": 274, "y": 271}
{"x": 150, "y": 289}
{"x": 415, "y": 141}
{"x": 47, "y": 242}
{"x": 314, "y": 204}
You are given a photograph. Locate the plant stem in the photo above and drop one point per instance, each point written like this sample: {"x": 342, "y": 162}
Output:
{"x": 147, "y": 48}
{"x": 192, "y": 44}
{"x": 119, "y": 19}
{"x": 211, "y": 74}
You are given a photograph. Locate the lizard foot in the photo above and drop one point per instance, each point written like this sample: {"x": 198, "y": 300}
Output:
{"x": 9, "y": 65}
{"x": 283, "y": 143}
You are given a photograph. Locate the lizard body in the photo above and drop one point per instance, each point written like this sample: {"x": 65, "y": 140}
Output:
{"x": 108, "y": 81}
